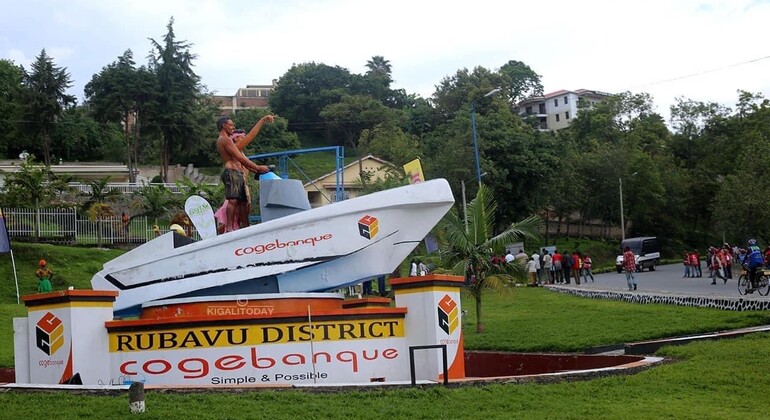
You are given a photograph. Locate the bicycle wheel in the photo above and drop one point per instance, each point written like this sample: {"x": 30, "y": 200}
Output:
{"x": 763, "y": 285}
{"x": 743, "y": 283}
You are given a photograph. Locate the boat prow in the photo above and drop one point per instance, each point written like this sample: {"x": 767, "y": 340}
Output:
{"x": 322, "y": 249}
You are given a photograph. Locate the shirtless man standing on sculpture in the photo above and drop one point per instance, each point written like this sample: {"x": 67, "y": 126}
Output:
{"x": 233, "y": 176}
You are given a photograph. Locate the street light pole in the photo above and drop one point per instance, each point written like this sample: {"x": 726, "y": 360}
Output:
{"x": 622, "y": 222}
{"x": 465, "y": 207}
{"x": 473, "y": 130}
{"x": 475, "y": 141}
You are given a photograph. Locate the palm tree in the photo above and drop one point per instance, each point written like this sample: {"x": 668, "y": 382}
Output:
{"x": 470, "y": 243}
{"x": 29, "y": 186}
{"x": 155, "y": 201}
{"x": 379, "y": 65}
{"x": 97, "y": 204}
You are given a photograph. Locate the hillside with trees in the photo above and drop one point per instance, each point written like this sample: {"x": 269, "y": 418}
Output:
{"x": 698, "y": 177}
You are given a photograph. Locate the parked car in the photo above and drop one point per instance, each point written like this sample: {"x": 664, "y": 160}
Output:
{"x": 646, "y": 251}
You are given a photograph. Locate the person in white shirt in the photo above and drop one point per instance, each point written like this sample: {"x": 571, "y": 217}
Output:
{"x": 547, "y": 266}
{"x": 522, "y": 258}
{"x": 532, "y": 270}
{"x": 508, "y": 257}
{"x": 536, "y": 258}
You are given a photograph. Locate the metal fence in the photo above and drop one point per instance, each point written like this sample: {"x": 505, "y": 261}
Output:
{"x": 128, "y": 188}
{"x": 68, "y": 227}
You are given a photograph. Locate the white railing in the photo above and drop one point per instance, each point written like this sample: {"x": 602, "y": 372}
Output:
{"x": 66, "y": 226}
{"x": 127, "y": 187}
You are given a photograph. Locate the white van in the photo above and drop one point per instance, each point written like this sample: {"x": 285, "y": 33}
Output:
{"x": 646, "y": 252}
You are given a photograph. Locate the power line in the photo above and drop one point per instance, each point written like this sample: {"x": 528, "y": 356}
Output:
{"x": 700, "y": 73}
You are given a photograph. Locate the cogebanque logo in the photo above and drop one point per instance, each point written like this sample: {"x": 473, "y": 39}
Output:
{"x": 448, "y": 315}
{"x": 368, "y": 226}
{"x": 49, "y": 334}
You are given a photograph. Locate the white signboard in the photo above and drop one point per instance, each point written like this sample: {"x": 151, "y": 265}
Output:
{"x": 293, "y": 353}
{"x": 201, "y": 215}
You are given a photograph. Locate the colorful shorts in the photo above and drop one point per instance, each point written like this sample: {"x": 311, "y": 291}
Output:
{"x": 235, "y": 188}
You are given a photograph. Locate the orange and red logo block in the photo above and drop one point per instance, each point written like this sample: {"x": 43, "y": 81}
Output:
{"x": 448, "y": 315}
{"x": 368, "y": 226}
{"x": 49, "y": 334}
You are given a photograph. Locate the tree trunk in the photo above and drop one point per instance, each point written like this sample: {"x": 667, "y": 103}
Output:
{"x": 37, "y": 221}
{"x": 164, "y": 158}
{"x": 99, "y": 232}
{"x": 360, "y": 164}
{"x": 479, "y": 324}
{"x": 135, "y": 146}
{"x": 127, "y": 134}
{"x": 46, "y": 150}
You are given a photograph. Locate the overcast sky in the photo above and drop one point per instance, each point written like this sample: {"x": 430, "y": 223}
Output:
{"x": 702, "y": 50}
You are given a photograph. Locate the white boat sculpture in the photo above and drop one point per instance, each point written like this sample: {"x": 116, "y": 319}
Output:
{"x": 313, "y": 250}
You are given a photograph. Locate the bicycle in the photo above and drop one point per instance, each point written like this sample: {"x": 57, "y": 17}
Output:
{"x": 762, "y": 283}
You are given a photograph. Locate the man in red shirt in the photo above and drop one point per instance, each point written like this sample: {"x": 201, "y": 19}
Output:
{"x": 629, "y": 264}
{"x": 556, "y": 260}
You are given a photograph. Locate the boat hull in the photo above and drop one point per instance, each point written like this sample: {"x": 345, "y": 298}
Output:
{"x": 322, "y": 249}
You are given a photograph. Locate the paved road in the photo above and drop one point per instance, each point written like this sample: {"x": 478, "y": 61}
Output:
{"x": 668, "y": 279}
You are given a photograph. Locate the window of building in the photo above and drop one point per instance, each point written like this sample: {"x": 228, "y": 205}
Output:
{"x": 529, "y": 110}
{"x": 566, "y": 115}
{"x": 556, "y": 102}
{"x": 542, "y": 108}
{"x": 565, "y": 100}
{"x": 557, "y": 117}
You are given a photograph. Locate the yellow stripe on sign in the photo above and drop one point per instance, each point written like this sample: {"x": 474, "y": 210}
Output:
{"x": 62, "y": 305}
{"x": 422, "y": 289}
{"x": 252, "y": 335}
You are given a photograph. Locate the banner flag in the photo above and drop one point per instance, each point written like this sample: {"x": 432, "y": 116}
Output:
{"x": 201, "y": 215}
{"x": 5, "y": 243}
{"x": 413, "y": 170}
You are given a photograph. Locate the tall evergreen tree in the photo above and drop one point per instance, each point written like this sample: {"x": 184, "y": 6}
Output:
{"x": 178, "y": 90}
{"x": 45, "y": 99}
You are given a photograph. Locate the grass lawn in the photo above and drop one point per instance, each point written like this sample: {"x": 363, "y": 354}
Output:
{"x": 704, "y": 380}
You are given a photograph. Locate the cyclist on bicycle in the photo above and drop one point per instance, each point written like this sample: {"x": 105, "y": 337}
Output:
{"x": 752, "y": 262}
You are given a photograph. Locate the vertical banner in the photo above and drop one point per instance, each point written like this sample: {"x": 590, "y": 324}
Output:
{"x": 201, "y": 215}
{"x": 5, "y": 243}
{"x": 5, "y": 246}
{"x": 413, "y": 170}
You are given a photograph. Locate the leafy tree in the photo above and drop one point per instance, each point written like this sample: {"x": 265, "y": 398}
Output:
{"x": 28, "y": 186}
{"x": 100, "y": 194}
{"x": 214, "y": 194}
{"x": 306, "y": 89}
{"x": 469, "y": 250}
{"x": 352, "y": 115}
{"x": 369, "y": 184}
{"x": 45, "y": 100}
{"x": 750, "y": 216}
{"x": 387, "y": 141}
{"x": 80, "y": 137}
{"x": 521, "y": 81}
{"x": 153, "y": 201}
{"x": 178, "y": 90}
{"x": 97, "y": 204}
{"x": 456, "y": 92}
{"x": 117, "y": 94}
{"x": 10, "y": 106}
{"x": 202, "y": 151}
{"x": 272, "y": 137}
